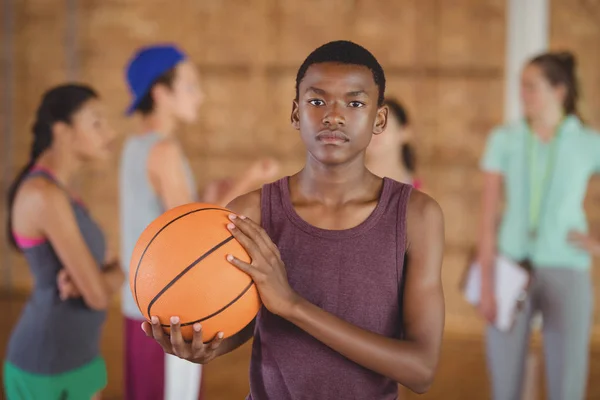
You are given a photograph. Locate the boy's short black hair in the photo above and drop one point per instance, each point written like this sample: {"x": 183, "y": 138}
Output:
{"x": 146, "y": 104}
{"x": 344, "y": 52}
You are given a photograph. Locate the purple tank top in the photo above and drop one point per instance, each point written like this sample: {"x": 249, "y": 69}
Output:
{"x": 355, "y": 274}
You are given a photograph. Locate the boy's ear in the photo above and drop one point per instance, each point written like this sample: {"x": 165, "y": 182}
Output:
{"x": 380, "y": 120}
{"x": 295, "y": 117}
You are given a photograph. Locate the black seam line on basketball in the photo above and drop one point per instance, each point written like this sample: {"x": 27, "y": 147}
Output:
{"x": 239, "y": 296}
{"x": 154, "y": 237}
{"x": 185, "y": 271}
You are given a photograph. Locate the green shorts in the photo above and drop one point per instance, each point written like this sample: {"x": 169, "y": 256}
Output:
{"x": 78, "y": 384}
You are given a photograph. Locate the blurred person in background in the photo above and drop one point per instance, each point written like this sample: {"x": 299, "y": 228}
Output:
{"x": 222, "y": 191}
{"x": 392, "y": 154}
{"x": 54, "y": 349}
{"x": 540, "y": 167}
{"x": 155, "y": 176}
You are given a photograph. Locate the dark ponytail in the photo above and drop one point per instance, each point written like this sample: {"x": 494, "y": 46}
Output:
{"x": 560, "y": 69}
{"x": 58, "y": 105}
{"x": 407, "y": 151}
{"x": 408, "y": 157}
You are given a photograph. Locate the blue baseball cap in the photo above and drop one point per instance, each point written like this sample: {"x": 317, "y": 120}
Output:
{"x": 146, "y": 66}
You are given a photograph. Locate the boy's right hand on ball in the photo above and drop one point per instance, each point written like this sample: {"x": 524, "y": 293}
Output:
{"x": 197, "y": 351}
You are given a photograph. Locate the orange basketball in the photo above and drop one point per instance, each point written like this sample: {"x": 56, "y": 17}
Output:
{"x": 178, "y": 268}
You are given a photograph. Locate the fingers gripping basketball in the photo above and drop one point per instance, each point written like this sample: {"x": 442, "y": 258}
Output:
{"x": 178, "y": 268}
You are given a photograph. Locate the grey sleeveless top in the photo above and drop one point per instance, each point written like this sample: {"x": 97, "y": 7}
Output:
{"x": 139, "y": 205}
{"x": 55, "y": 336}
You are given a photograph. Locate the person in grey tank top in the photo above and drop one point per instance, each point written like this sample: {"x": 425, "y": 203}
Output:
{"x": 155, "y": 176}
{"x": 327, "y": 247}
{"x": 58, "y": 333}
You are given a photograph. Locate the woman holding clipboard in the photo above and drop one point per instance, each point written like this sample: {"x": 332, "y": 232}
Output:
{"x": 539, "y": 167}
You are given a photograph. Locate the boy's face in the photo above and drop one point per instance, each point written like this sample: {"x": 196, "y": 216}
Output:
{"x": 336, "y": 111}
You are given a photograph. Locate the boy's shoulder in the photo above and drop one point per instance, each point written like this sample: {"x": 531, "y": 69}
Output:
{"x": 419, "y": 205}
{"x": 423, "y": 207}
{"x": 248, "y": 205}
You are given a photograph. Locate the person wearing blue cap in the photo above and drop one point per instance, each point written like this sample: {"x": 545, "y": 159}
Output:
{"x": 154, "y": 177}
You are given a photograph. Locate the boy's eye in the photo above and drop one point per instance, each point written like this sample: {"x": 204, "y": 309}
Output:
{"x": 356, "y": 104}
{"x": 317, "y": 102}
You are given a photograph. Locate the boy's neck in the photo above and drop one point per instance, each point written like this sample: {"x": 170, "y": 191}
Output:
{"x": 335, "y": 185}
{"x": 160, "y": 123}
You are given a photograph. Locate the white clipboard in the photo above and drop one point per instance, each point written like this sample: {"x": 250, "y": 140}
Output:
{"x": 511, "y": 288}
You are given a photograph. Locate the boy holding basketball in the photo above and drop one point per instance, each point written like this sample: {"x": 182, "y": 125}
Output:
{"x": 342, "y": 317}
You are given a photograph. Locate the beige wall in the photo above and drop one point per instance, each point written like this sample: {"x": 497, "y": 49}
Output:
{"x": 445, "y": 59}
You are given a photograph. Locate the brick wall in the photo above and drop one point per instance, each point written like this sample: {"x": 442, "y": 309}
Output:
{"x": 445, "y": 59}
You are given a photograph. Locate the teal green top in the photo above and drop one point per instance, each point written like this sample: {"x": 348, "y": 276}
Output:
{"x": 573, "y": 156}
